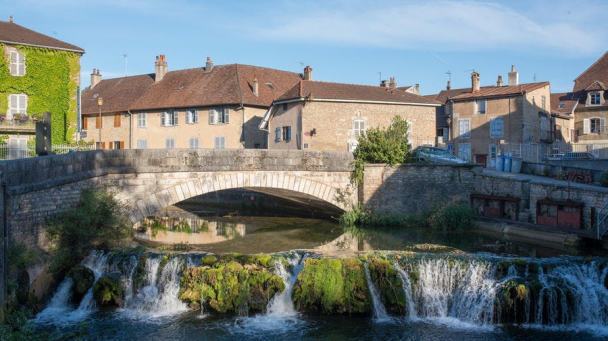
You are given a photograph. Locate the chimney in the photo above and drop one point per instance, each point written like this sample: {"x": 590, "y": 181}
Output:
{"x": 474, "y": 81}
{"x": 255, "y": 86}
{"x": 449, "y": 86}
{"x": 209, "y": 65}
{"x": 513, "y": 77}
{"x": 307, "y": 73}
{"x": 384, "y": 84}
{"x": 11, "y": 21}
{"x": 95, "y": 78}
{"x": 499, "y": 81}
{"x": 160, "y": 68}
{"x": 417, "y": 86}
{"x": 392, "y": 84}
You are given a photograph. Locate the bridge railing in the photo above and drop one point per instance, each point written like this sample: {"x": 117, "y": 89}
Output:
{"x": 14, "y": 152}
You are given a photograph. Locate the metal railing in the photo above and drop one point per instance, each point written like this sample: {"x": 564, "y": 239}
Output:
{"x": 539, "y": 152}
{"x": 9, "y": 153}
{"x": 602, "y": 221}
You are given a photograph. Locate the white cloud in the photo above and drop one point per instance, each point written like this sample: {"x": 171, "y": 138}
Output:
{"x": 447, "y": 25}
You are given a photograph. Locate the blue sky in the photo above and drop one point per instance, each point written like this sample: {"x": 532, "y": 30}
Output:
{"x": 347, "y": 41}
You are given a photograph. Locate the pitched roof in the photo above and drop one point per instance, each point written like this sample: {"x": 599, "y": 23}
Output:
{"x": 230, "y": 84}
{"x": 563, "y": 103}
{"x": 499, "y": 91}
{"x": 444, "y": 95}
{"x": 12, "y": 33}
{"x": 351, "y": 92}
{"x": 598, "y": 71}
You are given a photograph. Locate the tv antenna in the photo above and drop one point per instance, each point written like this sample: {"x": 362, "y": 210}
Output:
{"x": 449, "y": 73}
{"x": 126, "y": 63}
{"x": 472, "y": 70}
{"x": 379, "y": 76}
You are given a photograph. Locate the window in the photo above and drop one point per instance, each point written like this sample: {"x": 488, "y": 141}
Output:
{"x": 496, "y": 127}
{"x": 284, "y": 106}
{"x": 220, "y": 142}
{"x": 464, "y": 128}
{"x": 543, "y": 102}
{"x": 594, "y": 98}
{"x": 561, "y": 106}
{"x": 170, "y": 143}
{"x": 278, "y": 134}
{"x": 595, "y": 125}
{"x": 481, "y": 106}
{"x": 192, "y": 116}
{"x": 17, "y": 104}
{"x": 193, "y": 143}
{"x": 142, "y": 120}
{"x": 287, "y": 133}
{"x": 142, "y": 144}
{"x": 117, "y": 145}
{"x": 220, "y": 115}
{"x": 358, "y": 128}
{"x": 169, "y": 118}
{"x": 117, "y": 120}
{"x": 17, "y": 67}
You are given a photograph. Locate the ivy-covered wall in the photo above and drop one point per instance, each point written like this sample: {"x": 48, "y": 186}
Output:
{"x": 50, "y": 82}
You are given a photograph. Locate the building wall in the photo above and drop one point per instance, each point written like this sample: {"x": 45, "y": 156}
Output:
{"x": 156, "y": 135}
{"x": 587, "y": 113}
{"x": 288, "y": 115}
{"x": 333, "y": 123}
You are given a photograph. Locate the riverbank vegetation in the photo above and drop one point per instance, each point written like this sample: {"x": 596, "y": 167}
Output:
{"x": 445, "y": 218}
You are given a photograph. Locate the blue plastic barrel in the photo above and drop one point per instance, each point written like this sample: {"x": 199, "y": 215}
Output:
{"x": 508, "y": 161}
{"x": 500, "y": 163}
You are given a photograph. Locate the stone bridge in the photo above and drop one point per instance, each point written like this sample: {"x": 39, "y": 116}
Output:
{"x": 149, "y": 180}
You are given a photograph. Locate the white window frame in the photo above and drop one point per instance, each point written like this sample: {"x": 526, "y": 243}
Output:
{"x": 479, "y": 107}
{"x": 17, "y": 64}
{"x": 596, "y": 95}
{"x": 597, "y": 125}
{"x": 193, "y": 143}
{"x": 495, "y": 123}
{"x": 169, "y": 118}
{"x": 142, "y": 144}
{"x": 219, "y": 115}
{"x": 142, "y": 120}
{"x": 15, "y": 102}
{"x": 170, "y": 143}
{"x": 359, "y": 128}
{"x": 219, "y": 142}
{"x": 464, "y": 133}
{"x": 191, "y": 116}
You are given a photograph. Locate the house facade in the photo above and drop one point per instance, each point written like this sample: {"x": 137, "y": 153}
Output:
{"x": 331, "y": 116}
{"x": 209, "y": 107}
{"x": 484, "y": 118}
{"x": 591, "y": 91}
{"x": 37, "y": 74}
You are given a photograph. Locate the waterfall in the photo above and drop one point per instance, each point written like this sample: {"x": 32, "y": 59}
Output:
{"x": 281, "y": 304}
{"x": 407, "y": 289}
{"x": 379, "y": 311}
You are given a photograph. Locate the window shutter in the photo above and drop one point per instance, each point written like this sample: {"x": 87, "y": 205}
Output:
{"x": 602, "y": 125}
{"x": 111, "y": 145}
{"x": 162, "y": 119}
{"x": 10, "y": 107}
{"x": 586, "y": 126}
{"x": 122, "y": 144}
{"x": 289, "y": 133}
{"x": 22, "y": 104}
{"x": 216, "y": 143}
{"x": 226, "y": 115}
{"x": 103, "y": 145}
{"x": 211, "y": 116}
{"x": 85, "y": 123}
{"x": 21, "y": 57}
{"x": 195, "y": 118}
{"x": 277, "y": 134}
{"x": 14, "y": 58}
{"x": 175, "y": 117}
{"x": 98, "y": 122}
{"x": 117, "y": 121}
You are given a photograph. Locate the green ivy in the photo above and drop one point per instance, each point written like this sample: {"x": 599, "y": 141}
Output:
{"x": 50, "y": 82}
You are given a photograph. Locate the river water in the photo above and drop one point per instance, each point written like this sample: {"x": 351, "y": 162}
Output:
{"x": 449, "y": 303}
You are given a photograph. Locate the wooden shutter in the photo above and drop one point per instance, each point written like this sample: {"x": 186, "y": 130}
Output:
{"x": 586, "y": 126}
{"x": 117, "y": 121}
{"x": 103, "y": 145}
{"x": 288, "y": 133}
{"x": 175, "y": 117}
{"x": 85, "y": 123}
{"x": 602, "y": 129}
{"x": 162, "y": 119}
{"x": 212, "y": 116}
{"x": 14, "y": 61}
{"x": 21, "y": 58}
{"x": 111, "y": 145}
{"x": 226, "y": 118}
{"x": 98, "y": 122}
{"x": 277, "y": 134}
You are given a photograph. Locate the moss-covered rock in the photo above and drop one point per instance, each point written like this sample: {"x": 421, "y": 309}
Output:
{"x": 83, "y": 279}
{"x": 512, "y": 302}
{"x": 390, "y": 285}
{"x": 208, "y": 260}
{"x": 332, "y": 286}
{"x": 139, "y": 274}
{"x": 230, "y": 286}
{"x": 107, "y": 292}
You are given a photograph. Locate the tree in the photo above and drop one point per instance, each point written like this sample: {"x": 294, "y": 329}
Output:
{"x": 378, "y": 145}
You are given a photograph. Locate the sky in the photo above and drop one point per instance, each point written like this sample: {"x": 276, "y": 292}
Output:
{"x": 345, "y": 41}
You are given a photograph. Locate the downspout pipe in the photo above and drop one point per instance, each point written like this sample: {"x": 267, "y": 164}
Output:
{"x": 130, "y": 128}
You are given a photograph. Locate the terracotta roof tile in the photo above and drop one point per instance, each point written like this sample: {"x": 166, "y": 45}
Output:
{"x": 346, "y": 92}
{"x": 19, "y": 35}
{"x": 444, "y": 95}
{"x": 498, "y": 91}
{"x": 563, "y": 103}
{"x": 598, "y": 71}
{"x": 230, "y": 84}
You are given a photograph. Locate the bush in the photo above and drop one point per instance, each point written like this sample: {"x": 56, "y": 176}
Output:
{"x": 452, "y": 218}
{"x": 97, "y": 219}
{"x": 604, "y": 179}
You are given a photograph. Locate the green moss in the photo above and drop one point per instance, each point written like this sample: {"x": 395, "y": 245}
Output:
{"x": 107, "y": 292}
{"x": 83, "y": 279}
{"x": 385, "y": 277}
{"x": 332, "y": 286}
{"x": 140, "y": 272}
{"x": 208, "y": 260}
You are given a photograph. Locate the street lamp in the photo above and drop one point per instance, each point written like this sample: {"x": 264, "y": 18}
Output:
{"x": 100, "y": 103}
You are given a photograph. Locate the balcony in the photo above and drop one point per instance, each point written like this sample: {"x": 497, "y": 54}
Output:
{"x": 18, "y": 124}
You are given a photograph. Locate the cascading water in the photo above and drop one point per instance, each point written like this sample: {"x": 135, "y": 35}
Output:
{"x": 379, "y": 311}
{"x": 281, "y": 304}
{"x": 407, "y": 289}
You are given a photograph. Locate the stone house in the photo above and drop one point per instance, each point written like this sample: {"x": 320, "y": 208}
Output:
{"x": 480, "y": 119}
{"x": 31, "y": 83}
{"x": 331, "y": 116}
{"x": 206, "y": 107}
{"x": 591, "y": 93}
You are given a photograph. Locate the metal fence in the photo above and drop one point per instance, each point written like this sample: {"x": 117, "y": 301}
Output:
{"x": 534, "y": 152}
{"x": 12, "y": 152}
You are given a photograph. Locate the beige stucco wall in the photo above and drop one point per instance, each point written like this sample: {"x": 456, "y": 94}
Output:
{"x": 334, "y": 123}
{"x": 156, "y": 135}
{"x": 587, "y": 113}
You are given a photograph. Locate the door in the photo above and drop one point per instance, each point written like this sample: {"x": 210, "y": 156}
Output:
{"x": 481, "y": 159}
{"x": 464, "y": 151}
{"x": 492, "y": 156}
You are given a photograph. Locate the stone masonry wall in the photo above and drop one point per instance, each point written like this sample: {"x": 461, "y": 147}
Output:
{"x": 412, "y": 189}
